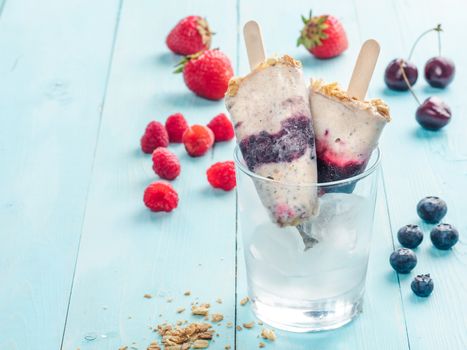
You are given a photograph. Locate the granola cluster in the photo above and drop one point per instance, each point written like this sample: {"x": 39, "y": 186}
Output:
{"x": 286, "y": 60}
{"x": 185, "y": 335}
{"x": 334, "y": 90}
{"x": 195, "y": 335}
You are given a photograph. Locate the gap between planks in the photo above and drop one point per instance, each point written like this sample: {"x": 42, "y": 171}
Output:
{"x": 386, "y": 202}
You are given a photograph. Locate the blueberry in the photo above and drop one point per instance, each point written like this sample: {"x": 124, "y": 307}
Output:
{"x": 432, "y": 209}
{"x": 444, "y": 236}
{"x": 403, "y": 260}
{"x": 410, "y": 236}
{"x": 422, "y": 285}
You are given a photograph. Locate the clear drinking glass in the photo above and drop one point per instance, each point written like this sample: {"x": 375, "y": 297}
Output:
{"x": 319, "y": 288}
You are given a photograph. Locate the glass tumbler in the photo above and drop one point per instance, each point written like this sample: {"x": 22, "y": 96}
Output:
{"x": 309, "y": 277}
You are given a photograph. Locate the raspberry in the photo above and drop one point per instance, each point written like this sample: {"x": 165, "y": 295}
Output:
{"x": 154, "y": 136}
{"x": 165, "y": 163}
{"x": 222, "y": 128}
{"x": 222, "y": 175}
{"x": 160, "y": 196}
{"x": 198, "y": 139}
{"x": 176, "y": 126}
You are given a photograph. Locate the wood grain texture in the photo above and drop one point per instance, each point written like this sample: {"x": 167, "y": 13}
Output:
{"x": 53, "y": 71}
{"x": 420, "y": 163}
{"x": 377, "y": 325}
{"x": 127, "y": 251}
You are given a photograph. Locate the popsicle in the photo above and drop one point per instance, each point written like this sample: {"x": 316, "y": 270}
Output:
{"x": 271, "y": 113}
{"x": 347, "y": 127}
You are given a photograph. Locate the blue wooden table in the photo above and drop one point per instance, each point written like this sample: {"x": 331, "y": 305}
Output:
{"x": 80, "y": 79}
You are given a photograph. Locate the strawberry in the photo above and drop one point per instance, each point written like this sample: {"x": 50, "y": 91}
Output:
{"x": 324, "y": 36}
{"x": 189, "y": 36}
{"x": 206, "y": 73}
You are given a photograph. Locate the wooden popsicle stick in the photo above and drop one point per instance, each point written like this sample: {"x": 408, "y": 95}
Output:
{"x": 363, "y": 70}
{"x": 254, "y": 43}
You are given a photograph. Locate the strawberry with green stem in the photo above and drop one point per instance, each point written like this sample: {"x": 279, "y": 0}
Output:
{"x": 206, "y": 73}
{"x": 189, "y": 36}
{"x": 323, "y": 36}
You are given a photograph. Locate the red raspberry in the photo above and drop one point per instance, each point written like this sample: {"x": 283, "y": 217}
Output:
{"x": 160, "y": 196}
{"x": 222, "y": 175}
{"x": 154, "y": 136}
{"x": 198, "y": 139}
{"x": 165, "y": 163}
{"x": 176, "y": 126}
{"x": 222, "y": 128}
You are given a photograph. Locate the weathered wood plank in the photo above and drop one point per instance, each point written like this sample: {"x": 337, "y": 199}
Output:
{"x": 126, "y": 251}
{"x": 420, "y": 163}
{"x": 53, "y": 71}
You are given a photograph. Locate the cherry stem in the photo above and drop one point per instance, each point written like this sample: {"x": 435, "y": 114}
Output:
{"x": 408, "y": 83}
{"x": 436, "y": 29}
{"x": 439, "y": 40}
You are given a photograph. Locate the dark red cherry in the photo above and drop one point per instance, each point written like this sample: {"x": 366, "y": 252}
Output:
{"x": 433, "y": 114}
{"x": 439, "y": 71}
{"x": 393, "y": 76}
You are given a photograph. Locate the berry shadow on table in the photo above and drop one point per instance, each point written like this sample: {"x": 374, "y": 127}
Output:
{"x": 423, "y": 134}
{"x": 166, "y": 59}
{"x": 182, "y": 97}
{"x": 427, "y": 89}
{"x": 418, "y": 300}
{"x": 308, "y": 61}
{"x": 437, "y": 253}
{"x": 392, "y": 93}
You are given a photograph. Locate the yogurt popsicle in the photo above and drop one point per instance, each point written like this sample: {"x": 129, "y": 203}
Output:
{"x": 347, "y": 130}
{"x": 271, "y": 113}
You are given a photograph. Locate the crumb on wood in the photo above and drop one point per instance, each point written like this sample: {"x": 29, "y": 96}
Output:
{"x": 261, "y": 344}
{"x": 187, "y": 293}
{"x": 201, "y": 310}
{"x": 244, "y": 301}
{"x": 219, "y": 300}
{"x": 268, "y": 334}
{"x": 200, "y": 344}
{"x": 180, "y": 310}
{"x": 229, "y": 325}
{"x": 154, "y": 346}
{"x": 249, "y": 325}
{"x": 217, "y": 317}
{"x": 239, "y": 328}
{"x": 147, "y": 296}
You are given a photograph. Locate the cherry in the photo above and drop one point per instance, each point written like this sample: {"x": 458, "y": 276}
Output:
{"x": 439, "y": 71}
{"x": 393, "y": 74}
{"x": 433, "y": 114}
